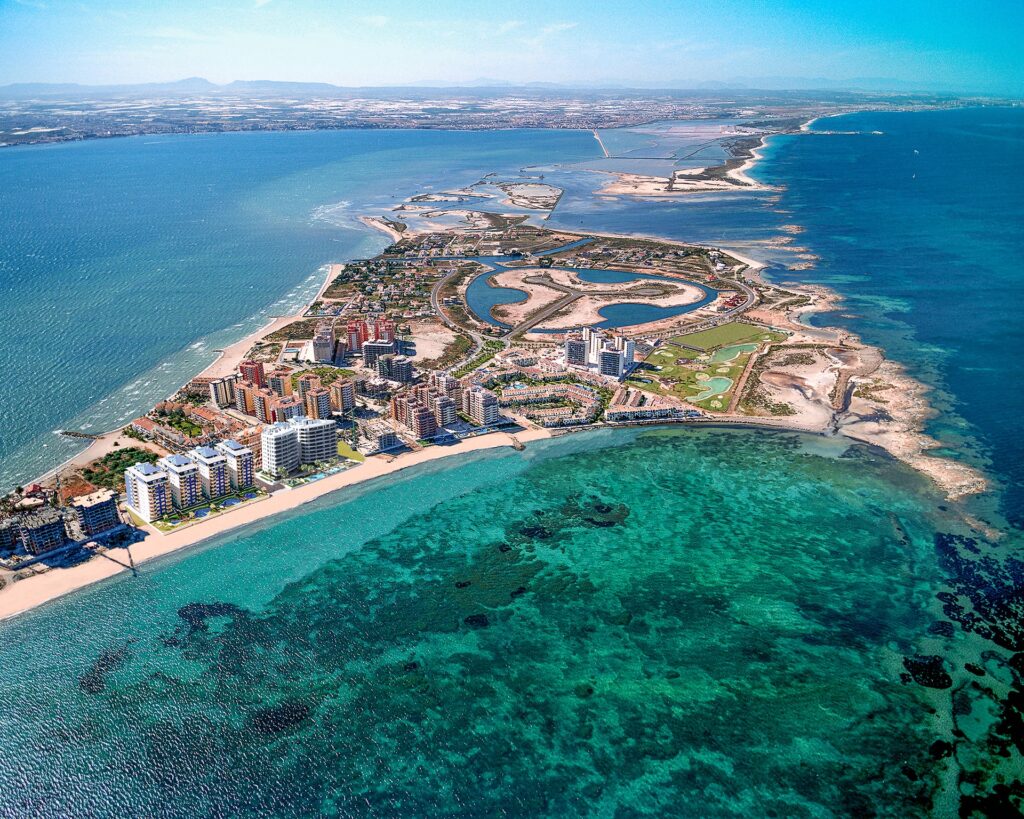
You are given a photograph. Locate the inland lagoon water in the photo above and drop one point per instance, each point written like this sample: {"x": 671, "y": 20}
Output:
{"x": 482, "y": 295}
{"x": 670, "y": 622}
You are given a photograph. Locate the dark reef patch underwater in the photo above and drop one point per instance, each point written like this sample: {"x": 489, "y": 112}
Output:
{"x": 701, "y": 622}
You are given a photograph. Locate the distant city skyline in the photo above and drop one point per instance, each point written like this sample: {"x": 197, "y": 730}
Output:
{"x": 934, "y": 46}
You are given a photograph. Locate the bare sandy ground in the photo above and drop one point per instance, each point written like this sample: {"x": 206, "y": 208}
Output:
{"x": 379, "y": 224}
{"x": 539, "y": 297}
{"x": 431, "y": 338}
{"x": 534, "y": 195}
{"x": 807, "y": 388}
{"x": 34, "y": 591}
{"x": 683, "y": 182}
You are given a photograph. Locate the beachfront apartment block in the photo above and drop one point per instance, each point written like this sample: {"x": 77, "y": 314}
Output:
{"x": 280, "y": 442}
{"x": 183, "y": 478}
{"x": 287, "y": 445}
{"x": 444, "y": 409}
{"x": 413, "y": 411}
{"x": 281, "y": 453}
{"x": 222, "y": 390}
{"x": 43, "y": 530}
{"x": 240, "y": 463}
{"x": 213, "y": 471}
{"x": 318, "y": 439}
{"x": 149, "y": 491}
{"x": 96, "y": 512}
{"x": 10, "y": 534}
{"x": 481, "y": 405}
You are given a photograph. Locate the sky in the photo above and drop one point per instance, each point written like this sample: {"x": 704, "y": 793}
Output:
{"x": 939, "y": 45}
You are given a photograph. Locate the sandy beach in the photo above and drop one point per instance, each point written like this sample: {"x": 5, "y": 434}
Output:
{"x": 34, "y": 591}
{"x": 379, "y": 224}
{"x": 226, "y": 363}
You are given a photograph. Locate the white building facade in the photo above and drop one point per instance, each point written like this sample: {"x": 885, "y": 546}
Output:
{"x": 148, "y": 490}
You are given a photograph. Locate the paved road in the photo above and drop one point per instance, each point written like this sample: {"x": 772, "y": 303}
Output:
{"x": 435, "y": 305}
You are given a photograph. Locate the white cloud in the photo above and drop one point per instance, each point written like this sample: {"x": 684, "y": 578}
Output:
{"x": 555, "y": 28}
{"x": 175, "y": 33}
{"x": 375, "y": 20}
{"x": 546, "y": 33}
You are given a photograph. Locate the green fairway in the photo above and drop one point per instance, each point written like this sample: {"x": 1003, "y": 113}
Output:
{"x": 727, "y": 334}
{"x": 697, "y": 378}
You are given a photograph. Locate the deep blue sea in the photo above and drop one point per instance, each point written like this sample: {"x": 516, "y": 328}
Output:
{"x": 711, "y": 622}
{"x": 921, "y": 228}
{"x": 918, "y": 220}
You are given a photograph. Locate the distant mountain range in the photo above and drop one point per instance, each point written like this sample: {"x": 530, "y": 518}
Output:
{"x": 197, "y": 86}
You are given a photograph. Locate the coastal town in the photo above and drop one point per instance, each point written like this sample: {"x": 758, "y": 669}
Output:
{"x": 38, "y": 113}
{"x": 492, "y": 332}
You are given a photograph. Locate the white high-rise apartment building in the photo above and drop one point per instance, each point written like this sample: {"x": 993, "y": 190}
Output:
{"x": 240, "y": 463}
{"x": 183, "y": 478}
{"x": 318, "y": 439}
{"x": 149, "y": 492}
{"x": 213, "y": 471}
{"x": 280, "y": 445}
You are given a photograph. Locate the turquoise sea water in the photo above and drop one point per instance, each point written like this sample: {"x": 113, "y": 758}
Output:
{"x": 605, "y": 624}
{"x": 669, "y": 622}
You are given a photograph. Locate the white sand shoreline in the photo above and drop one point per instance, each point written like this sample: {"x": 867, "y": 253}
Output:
{"x": 25, "y": 595}
{"x": 225, "y": 363}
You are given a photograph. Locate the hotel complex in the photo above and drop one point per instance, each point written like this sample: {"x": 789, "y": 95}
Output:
{"x": 609, "y": 355}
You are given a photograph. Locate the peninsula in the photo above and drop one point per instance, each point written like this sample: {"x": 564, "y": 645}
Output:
{"x": 486, "y": 332}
